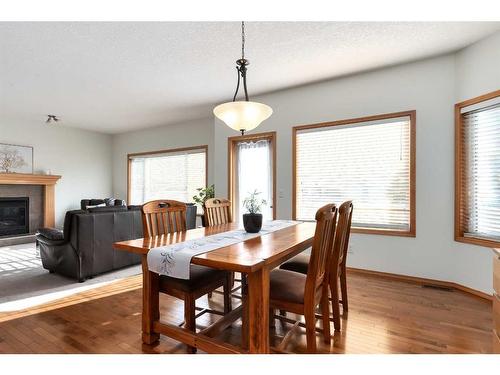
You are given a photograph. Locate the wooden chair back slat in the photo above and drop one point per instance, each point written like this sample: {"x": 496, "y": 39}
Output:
{"x": 225, "y": 217}
{"x": 208, "y": 216}
{"x": 164, "y": 222}
{"x": 217, "y": 216}
{"x": 217, "y": 211}
{"x": 347, "y": 233}
{"x": 163, "y": 217}
{"x": 318, "y": 270}
{"x": 154, "y": 231}
{"x": 159, "y": 222}
{"x": 222, "y": 216}
{"x": 180, "y": 221}
{"x": 342, "y": 234}
{"x": 169, "y": 223}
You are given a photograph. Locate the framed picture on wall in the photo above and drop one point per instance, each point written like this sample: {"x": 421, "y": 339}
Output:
{"x": 16, "y": 159}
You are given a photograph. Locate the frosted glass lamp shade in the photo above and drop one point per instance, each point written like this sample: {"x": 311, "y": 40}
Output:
{"x": 243, "y": 116}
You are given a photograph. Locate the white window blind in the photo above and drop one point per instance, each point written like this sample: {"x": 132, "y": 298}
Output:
{"x": 368, "y": 163}
{"x": 481, "y": 172}
{"x": 172, "y": 175}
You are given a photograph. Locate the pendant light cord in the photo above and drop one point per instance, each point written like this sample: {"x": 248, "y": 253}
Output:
{"x": 243, "y": 39}
{"x": 241, "y": 68}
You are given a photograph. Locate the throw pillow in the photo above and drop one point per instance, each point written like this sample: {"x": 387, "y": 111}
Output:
{"x": 109, "y": 201}
{"x": 97, "y": 205}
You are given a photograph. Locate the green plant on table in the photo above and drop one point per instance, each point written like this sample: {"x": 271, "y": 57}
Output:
{"x": 204, "y": 194}
{"x": 253, "y": 203}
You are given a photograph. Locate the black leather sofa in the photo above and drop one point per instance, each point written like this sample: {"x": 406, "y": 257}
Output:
{"x": 84, "y": 248}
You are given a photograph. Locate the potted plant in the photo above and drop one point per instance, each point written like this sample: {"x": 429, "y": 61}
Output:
{"x": 252, "y": 220}
{"x": 202, "y": 196}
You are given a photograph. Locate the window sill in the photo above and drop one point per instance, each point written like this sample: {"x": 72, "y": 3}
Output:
{"x": 384, "y": 232}
{"x": 477, "y": 241}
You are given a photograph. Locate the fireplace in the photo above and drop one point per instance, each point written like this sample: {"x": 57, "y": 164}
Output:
{"x": 14, "y": 216}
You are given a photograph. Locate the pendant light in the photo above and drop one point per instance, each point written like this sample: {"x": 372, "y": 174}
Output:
{"x": 242, "y": 115}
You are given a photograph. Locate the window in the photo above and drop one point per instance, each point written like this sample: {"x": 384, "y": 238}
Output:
{"x": 251, "y": 167}
{"x": 477, "y": 172}
{"x": 370, "y": 161}
{"x": 169, "y": 174}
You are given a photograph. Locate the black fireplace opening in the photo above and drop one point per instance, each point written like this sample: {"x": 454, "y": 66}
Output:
{"x": 14, "y": 216}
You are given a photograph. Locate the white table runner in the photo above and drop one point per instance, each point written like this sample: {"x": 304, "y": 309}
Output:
{"x": 175, "y": 260}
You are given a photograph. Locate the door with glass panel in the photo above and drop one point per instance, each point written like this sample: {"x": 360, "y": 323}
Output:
{"x": 251, "y": 168}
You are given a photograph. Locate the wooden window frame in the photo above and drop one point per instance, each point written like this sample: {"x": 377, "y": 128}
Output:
{"x": 166, "y": 151}
{"x": 231, "y": 165}
{"x": 460, "y": 205}
{"x": 412, "y": 232}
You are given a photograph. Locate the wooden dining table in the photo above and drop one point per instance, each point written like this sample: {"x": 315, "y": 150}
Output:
{"x": 255, "y": 257}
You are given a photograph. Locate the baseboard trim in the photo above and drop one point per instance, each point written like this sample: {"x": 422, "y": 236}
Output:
{"x": 17, "y": 240}
{"x": 423, "y": 281}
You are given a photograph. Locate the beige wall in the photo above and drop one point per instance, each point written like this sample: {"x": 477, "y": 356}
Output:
{"x": 478, "y": 68}
{"x": 82, "y": 158}
{"x": 192, "y": 133}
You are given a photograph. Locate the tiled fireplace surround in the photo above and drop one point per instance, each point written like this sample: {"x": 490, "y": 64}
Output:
{"x": 40, "y": 189}
{"x": 35, "y": 195}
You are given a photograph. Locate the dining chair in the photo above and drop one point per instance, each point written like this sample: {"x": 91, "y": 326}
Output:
{"x": 345, "y": 247}
{"x": 217, "y": 211}
{"x": 300, "y": 294}
{"x": 301, "y": 262}
{"x": 167, "y": 216}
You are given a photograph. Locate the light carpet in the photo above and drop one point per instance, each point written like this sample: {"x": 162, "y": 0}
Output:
{"x": 25, "y": 283}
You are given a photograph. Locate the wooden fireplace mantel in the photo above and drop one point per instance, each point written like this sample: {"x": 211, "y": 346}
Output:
{"x": 47, "y": 181}
{"x": 28, "y": 179}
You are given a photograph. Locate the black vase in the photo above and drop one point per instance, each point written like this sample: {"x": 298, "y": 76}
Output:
{"x": 252, "y": 222}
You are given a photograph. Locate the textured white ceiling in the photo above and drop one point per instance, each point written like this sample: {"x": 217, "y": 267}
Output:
{"x": 114, "y": 77}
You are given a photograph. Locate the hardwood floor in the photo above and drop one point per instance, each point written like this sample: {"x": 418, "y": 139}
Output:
{"x": 385, "y": 316}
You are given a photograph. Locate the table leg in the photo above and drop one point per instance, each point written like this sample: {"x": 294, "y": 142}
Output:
{"x": 244, "y": 323}
{"x": 150, "y": 303}
{"x": 258, "y": 311}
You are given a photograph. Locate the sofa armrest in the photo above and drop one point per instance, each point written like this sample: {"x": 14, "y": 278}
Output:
{"x": 50, "y": 236}
{"x": 51, "y": 233}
